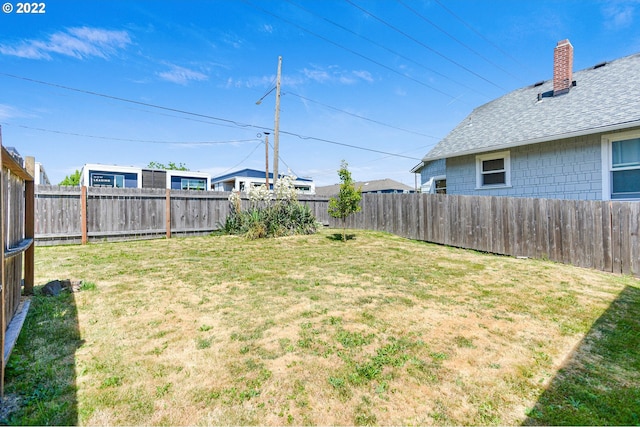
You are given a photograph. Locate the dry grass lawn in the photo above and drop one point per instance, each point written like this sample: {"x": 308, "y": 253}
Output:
{"x": 311, "y": 330}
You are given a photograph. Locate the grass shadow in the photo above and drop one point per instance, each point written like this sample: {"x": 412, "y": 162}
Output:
{"x": 599, "y": 383}
{"x": 337, "y": 237}
{"x": 40, "y": 372}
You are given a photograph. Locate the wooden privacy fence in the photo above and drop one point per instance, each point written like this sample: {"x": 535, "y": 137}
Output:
{"x": 17, "y": 255}
{"x": 92, "y": 214}
{"x": 594, "y": 234}
{"x": 603, "y": 235}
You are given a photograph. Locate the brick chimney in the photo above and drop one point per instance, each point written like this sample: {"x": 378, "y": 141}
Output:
{"x": 562, "y": 67}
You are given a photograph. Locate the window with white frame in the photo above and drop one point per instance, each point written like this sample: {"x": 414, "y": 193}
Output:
{"x": 440, "y": 185}
{"x": 437, "y": 185}
{"x": 193, "y": 184}
{"x": 624, "y": 168}
{"x": 493, "y": 170}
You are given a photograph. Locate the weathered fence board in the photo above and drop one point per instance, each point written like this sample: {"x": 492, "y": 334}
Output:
{"x": 16, "y": 254}
{"x": 594, "y": 234}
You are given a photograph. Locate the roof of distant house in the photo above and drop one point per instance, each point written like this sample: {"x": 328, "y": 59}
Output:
{"x": 367, "y": 187}
{"x": 606, "y": 97}
{"x": 251, "y": 173}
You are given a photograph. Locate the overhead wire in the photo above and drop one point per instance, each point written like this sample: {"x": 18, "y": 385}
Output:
{"x": 190, "y": 113}
{"x": 378, "y": 63}
{"x": 460, "y": 42}
{"x": 479, "y": 34}
{"x": 343, "y": 144}
{"x": 360, "y": 117}
{"x": 394, "y": 52}
{"x": 429, "y": 48}
{"x": 148, "y": 141}
{"x": 243, "y": 160}
{"x": 131, "y": 101}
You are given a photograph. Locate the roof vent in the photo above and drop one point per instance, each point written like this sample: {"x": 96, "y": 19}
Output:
{"x": 540, "y": 83}
{"x": 600, "y": 65}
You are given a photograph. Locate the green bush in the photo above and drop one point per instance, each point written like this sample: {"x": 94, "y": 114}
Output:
{"x": 281, "y": 219}
{"x": 266, "y": 217}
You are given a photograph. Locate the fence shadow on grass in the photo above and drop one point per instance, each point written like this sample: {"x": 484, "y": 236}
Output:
{"x": 600, "y": 381}
{"x": 40, "y": 373}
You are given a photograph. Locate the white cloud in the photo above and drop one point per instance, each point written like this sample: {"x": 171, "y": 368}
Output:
{"x": 181, "y": 75}
{"x": 619, "y": 14}
{"x": 9, "y": 112}
{"x": 363, "y": 75}
{"x": 78, "y": 42}
{"x": 319, "y": 76}
{"x": 335, "y": 74}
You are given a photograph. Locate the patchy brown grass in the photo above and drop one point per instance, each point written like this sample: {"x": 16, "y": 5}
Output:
{"x": 309, "y": 330}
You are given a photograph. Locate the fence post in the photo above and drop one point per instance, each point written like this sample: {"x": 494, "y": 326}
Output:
{"x": 83, "y": 214}
{"x": 167, "y": 212}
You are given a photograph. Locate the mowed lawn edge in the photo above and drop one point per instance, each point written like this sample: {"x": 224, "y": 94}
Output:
{"x": 312, "y": 330}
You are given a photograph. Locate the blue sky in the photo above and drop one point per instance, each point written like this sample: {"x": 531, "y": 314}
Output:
{"x": 376, "y": 83}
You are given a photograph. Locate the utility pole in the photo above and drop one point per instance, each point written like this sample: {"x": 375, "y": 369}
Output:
{"x": 276, "y": 129}
{"x": 266, "y": 158}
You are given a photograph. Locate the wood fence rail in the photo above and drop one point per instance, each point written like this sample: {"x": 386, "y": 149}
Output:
{"x": 17, "y": 252}
{"x": 593, "y": 234}
{"x": 72, "y": 215}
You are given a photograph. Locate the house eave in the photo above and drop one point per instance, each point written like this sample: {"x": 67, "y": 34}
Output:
{"x": 417, "y": 168}
{"x": 554, "y": 137}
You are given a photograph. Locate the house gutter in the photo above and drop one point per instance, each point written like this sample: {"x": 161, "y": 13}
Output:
{"x": 602, "y": 129}
{"x": 416, "y": 168}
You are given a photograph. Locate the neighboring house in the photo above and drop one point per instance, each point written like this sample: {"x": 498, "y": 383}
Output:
{"x": 244, "y": 179}
{"x": 375, "y": 186}
{"x": 15, "y": 154}
{"x": 40, "y": 176}
{"x": 97, "y": 175}
{"x": 29, "y": 163}
{"x": 574, "y": 137}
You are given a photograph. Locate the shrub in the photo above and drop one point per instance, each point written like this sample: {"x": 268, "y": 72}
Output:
{"x": 271, "y": 214}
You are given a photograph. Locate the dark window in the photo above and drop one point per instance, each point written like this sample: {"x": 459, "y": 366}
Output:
{"x": 625, "y": 169}
{"x": 625, "y": 184}
{"x": 441, "y": 186}
{"x": 493, "y": 172}
{"x": 494, "y": 178}
{"x": 493, "y": 165}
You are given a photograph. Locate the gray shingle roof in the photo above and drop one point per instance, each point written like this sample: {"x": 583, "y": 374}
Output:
{"x": 367, "y": 187}
{"x": 604, "y": 98}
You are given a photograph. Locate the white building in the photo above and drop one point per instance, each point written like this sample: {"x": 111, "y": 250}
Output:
{"x": 244, "y": 179}
{"x": 97, "y": 175}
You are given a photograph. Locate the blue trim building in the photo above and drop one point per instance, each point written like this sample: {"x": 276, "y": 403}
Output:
{"x": 97, "y": 175}
{"x": 244, "y": 179}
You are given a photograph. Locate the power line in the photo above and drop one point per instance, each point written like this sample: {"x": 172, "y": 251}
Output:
{"x": 243, "y": 160}
{"x": 442, "y": 30}
{"x": 146, "y": 104}
{"x": 362, "y": 117}
{"x": 109, "y": 138}
{"x": 328, "y": 141}
{"x": 406, "y": 58}
{"x": 507, "y": 54}
{"x": 239, "y": 124}
{"x": 407, "y": 76}
{"x": 424, "y": 45}
{"x": 285, "y": 163}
